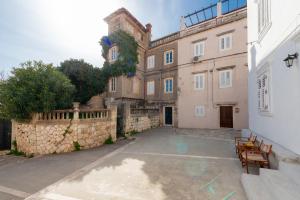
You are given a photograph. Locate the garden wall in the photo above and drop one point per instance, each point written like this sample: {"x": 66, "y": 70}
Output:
{"x": 139, "y": 119}
{"x": 58, "y": 131}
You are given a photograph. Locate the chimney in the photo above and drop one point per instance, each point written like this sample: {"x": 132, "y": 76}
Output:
{"x": 148, "y": 27}
{"x": 182, "y": 24}
{"x": 219, "y": 8}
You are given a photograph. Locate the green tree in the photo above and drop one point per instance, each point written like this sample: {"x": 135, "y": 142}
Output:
{"x": 34, "y": 87}
{"x": 87, "y": 79}
{"x": 127, "y": 54}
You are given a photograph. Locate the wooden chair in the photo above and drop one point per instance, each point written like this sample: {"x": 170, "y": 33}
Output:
{"x": 244, "y": 146}
{"x": 257, "y": 156}
{"x": 240, "y": 141}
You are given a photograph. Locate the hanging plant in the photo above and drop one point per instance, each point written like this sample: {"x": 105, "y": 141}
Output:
{"x": 127, "y": 54}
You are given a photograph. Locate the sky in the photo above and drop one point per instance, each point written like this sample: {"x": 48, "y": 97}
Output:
{"x": 56, "y": 30}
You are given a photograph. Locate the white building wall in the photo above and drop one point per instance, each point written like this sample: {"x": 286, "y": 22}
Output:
{"x": 282, "y": 124}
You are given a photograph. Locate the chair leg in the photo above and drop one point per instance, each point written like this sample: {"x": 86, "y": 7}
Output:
{"x": 247, "y": 168}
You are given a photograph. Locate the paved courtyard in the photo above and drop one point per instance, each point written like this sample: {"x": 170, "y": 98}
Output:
{"x": 162, "y": 163}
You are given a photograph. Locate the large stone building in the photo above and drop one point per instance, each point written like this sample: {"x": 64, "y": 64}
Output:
{"x": 180, "y": 73}
{"x": 212, "y": 72}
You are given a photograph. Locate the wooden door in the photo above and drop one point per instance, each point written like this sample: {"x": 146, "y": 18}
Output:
{"x": 226, "y": 117}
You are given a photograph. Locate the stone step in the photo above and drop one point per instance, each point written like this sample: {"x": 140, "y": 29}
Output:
{"x": 255, "y": 188}
{"x": 290, "y": 169}
{"x": 281, "y": 186}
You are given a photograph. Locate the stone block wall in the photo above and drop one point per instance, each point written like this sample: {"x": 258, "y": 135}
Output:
{"x": 58, "y": 135}
{"x": 141, "y": 119}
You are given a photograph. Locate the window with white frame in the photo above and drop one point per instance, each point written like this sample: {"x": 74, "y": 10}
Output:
{"x": 114, "y": 53}
{"x": 113, "y": 84}
{"x": 150, "y": 62}
{"x": 169, "y": 85}
{"x": 199, "y": 49}
{"x": 150, "y": 87}
{"x": 199, "y": 80}
{"x": 225, "y": 78}
{"x": 225, "y": 42}
{"x": 263, "y": 82}
{"x": 264, "y": 17}
{"x": 168, "y": 57}
{"x": 199, "y": 111}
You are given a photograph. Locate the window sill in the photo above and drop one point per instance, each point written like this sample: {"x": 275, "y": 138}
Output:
{"x": 266, "y": 113}
{"x": 223, "y": 87}
{"x": 168, "y": 63}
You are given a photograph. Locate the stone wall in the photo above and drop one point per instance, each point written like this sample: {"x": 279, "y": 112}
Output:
{"x": 139, "y": 119}
{"x": 56, "y": 132}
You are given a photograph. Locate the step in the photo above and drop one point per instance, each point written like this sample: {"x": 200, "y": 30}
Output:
{"x": 291, "y": 169}
{"x": 255, "y": 188}
{"x": 281, "y": 186}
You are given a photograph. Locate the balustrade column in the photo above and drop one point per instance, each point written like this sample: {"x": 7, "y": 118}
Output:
{"x": 76, "y": 110}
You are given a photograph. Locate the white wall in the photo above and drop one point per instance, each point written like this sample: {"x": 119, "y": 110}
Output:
{"x": 282, "y": 125}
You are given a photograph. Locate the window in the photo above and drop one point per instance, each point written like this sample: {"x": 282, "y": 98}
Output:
{"x": 199, "y": 49}
{"x": 150, "y": 87}
{"x": 199, "y": 111}
{"x": 114, "y": 54}
{"x": 113, "y": 84}
{"x": 150, "y": 62}
{"x": 264, "y": 18}
{"x": 225, "y": 42}
{"x": 225, "y": 78}
{"x": 264, "y": 92}
{"x": 168, "y": 85}
{"x": 199, "y": 81}
{"x": 168, "y": 57}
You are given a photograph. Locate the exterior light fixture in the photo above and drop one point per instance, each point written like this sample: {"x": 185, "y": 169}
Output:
{"x": 290, "y": 59}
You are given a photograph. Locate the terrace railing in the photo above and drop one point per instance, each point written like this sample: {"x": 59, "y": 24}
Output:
{"x": 232, "y": 5}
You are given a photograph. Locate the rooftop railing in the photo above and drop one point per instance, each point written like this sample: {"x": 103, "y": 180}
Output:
{"x": 232, "y": 5}
{"x": 211, "y": 11}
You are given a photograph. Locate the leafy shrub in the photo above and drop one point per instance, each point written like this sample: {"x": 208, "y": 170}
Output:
{"x": 109, "y": 140}
{"x": 34, "y": 87}
{"x": 77, "y": 146}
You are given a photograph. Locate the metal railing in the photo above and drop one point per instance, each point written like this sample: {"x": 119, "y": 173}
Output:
{"x": 232, "y": 5}
{"x": 200, "y": 16}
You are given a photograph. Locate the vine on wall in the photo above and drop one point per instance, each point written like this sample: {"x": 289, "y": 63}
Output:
{"x": 127, "y": 54}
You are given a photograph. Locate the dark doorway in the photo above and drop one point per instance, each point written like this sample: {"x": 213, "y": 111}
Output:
{"x": 168, "y": 116}
{"x": 5, "y": 134}
{"x": 226, "y": 117}
{"x": 120, "y": 120}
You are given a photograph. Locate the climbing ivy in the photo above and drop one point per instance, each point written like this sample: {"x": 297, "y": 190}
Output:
{"x": 127, "y": 54}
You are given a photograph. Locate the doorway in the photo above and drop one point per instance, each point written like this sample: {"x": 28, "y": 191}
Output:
{"x": 5, "y": 134}
{"x": 168, "y": 116}
{"x": 226, "y": 117}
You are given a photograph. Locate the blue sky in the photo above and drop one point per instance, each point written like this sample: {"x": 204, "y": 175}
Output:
{"x": 55, "y": 30}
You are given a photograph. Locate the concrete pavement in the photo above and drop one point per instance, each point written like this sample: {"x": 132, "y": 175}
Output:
{"x": 20, "y": 177}
{"x": 162, "y": 163}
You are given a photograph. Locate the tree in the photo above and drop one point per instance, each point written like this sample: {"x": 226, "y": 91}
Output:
{"x": 87, "y": 79}
{"x": 34, "y": 87}
{"x": 2, "y": 76}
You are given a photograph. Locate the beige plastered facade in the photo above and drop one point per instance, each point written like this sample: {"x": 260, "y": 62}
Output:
{"x": 212, "y": 96}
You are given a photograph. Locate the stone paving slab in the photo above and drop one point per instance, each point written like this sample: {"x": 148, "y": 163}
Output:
{"x": 31, "y": 175}
{"x": 152, "y": 167}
